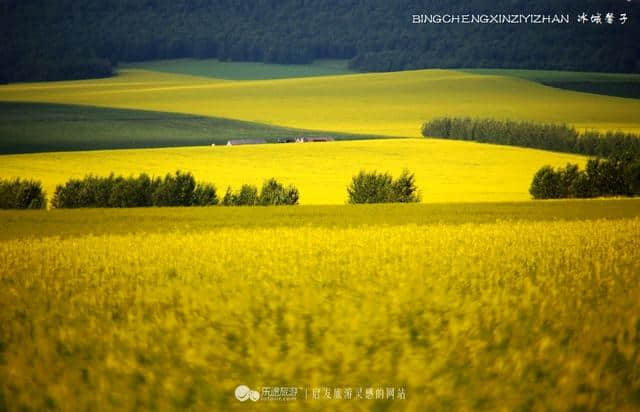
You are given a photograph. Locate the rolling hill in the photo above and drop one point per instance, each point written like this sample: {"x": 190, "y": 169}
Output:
{"x": 243, "y": 70}
{"x": 446, "y": 171}
{"x": 390, "y": 104}
{"x": 610, "y": 84}
{"x": 43, "y": 127}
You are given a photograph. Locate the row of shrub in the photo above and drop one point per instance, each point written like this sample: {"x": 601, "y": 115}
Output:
{"x": 559, "y": 138}
{"x": 271, "y": 194}
{"x": 601, "y": 177}
{"x": 179, "y": 189}
{"x": 22, "y": 194}
{"x": 374, "y": 187}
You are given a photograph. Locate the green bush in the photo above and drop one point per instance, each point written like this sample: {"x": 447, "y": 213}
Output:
{"x": 229, "y": 198}
{"x": 274, "y": 193}
{"x": 601, "y": 177}
{"x": 581, "y": 187}
{"x": 566, "y": 178}
{"x": 246, "y": 196}
{"x": 22, "y": 194}
{"x": 632, "y": 177}
{"x": 133, "y": 192}
{"x": 374, "y": 187}
{"x": 404, "y": 188}
{"x": 67, "y": 195}
{"x": 111, "y": 191}
{"x": 204, "y": 195}
{"x": 546, "y": 184}
{"x": 370, "y": 187}
{"x": 175, "y": 190}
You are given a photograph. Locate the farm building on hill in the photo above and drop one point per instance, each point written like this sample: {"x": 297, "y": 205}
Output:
{"x": 238, "y": 142}
{"x": 314, "y": 139}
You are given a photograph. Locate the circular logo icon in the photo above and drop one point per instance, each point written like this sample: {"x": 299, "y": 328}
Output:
{"x": 242, "y": 393}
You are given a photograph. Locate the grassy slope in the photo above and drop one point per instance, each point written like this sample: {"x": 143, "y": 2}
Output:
{"x": 244, "y": 70}
{"x": 99, "y": 222}
{"x": 446, "y": 171}
{"x": 392, "y": 104}
{"x": 38, "y": 127}
{"x": 612, "y": 84}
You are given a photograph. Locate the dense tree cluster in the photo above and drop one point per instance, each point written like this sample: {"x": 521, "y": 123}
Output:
{"x": 272, "y": 193}
{"x": 374, "y": 187}
{"x": 59, "y": 39}
{"x": 21, "y": 194}
{"x": 559, "y": 138}
{"x": 179, "y": 189}
{"x": 601, "y": 177}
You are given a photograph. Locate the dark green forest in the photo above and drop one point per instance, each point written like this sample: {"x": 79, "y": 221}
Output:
{"x": 65, "y": 39}
{"x": 555, "y": 137}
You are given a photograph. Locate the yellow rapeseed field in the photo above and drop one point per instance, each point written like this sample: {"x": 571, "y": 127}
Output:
{"x": 508, "y": 314}
{"x": 446, "y": 171}
{"x": 390, "y": 104}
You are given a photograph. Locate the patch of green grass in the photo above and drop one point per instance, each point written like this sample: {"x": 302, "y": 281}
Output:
{"x": 391, "y": 104}
{"x": 35, "y": 127}
{"x": 611, "y": 84}
{"x": 98, "y": 222}
{"x": 243, "y": 70}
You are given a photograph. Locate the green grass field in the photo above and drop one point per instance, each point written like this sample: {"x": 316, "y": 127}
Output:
{"x": 612, "y": 84}
{"x": 389, "y": 104}
{"x": 525, "y": 306}
{"x": 101, "y": 222}
{"x": 242, "y": 70}
{"x": 41, "y": 127}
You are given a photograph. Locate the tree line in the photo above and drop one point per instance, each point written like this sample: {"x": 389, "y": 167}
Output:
{"x": 272, "y": 193}
{"x": 181, "y": 189}
{"x": 178, "y": 189}
{"x": 601, "y": 177}
{"x": 22, "y": 194}
{"x": 67, "y": 39}
{"x": 618, "y": 174}
{"x": 560, "y": 138}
